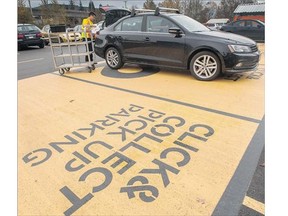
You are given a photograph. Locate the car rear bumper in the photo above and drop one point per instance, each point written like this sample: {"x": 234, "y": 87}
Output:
{"x": 34, "y": 42}
{"x": 242, "y": 62}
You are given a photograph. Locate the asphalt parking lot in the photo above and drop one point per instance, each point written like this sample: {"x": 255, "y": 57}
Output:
{"x": 138, "y": 141}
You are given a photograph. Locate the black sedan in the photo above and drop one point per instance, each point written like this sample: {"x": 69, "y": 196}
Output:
{"x": 29, "y": 35}
{"x": 254, "y": 29}
{"x": 175, "y": 40}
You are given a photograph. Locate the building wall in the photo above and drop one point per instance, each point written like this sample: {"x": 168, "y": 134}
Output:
{"x": 245, "y": 17}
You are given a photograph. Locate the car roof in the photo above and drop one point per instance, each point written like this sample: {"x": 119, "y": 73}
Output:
{"x": 24, "y": 24}
{"x": 153, "y": 14}
{"x": 259, "y": 21}
{"x": 248, "y": 20}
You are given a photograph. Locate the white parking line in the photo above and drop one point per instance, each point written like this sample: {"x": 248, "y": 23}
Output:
{"x": 30, "y": 60}
{"x": 101, "y": 62}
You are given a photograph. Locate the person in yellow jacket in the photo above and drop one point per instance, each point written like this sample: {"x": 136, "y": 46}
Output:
{"x": 88, "y": 23}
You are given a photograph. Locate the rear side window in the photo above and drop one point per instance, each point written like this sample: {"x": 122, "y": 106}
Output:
{"x": 130, "y": 24}
{"x": 21, "y": 29}
{"x": 252, "y": 24}
{"x": 159, "y": 24}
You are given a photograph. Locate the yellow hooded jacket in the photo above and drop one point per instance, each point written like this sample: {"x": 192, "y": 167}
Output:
{"x": 88, "y": 24}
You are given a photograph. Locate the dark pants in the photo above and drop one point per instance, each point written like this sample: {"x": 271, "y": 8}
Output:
{"x": 89, "y": 48}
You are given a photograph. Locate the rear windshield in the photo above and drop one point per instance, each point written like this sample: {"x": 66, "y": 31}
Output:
{"x": 28, "y": 28}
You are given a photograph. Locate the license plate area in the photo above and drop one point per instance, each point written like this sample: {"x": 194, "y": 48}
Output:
{"x": 30, "y": 36}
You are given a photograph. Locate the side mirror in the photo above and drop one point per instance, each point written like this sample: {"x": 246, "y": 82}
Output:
{"x": 176, "y": 31}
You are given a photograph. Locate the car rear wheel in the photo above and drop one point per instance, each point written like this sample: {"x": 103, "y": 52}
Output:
{"x": 205, "y": 66}
{"x": 42, "y": 45}
{"x": 113, "y": 58}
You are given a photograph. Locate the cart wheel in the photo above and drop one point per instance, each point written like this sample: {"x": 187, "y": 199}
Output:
{"x": 90, "y": 69}
{"x": 61, "y": 71}
{"x": 67, "y": 69}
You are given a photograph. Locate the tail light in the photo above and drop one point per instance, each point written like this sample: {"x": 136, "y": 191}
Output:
{"x": 39, "y": 35}
{"x": 20, "y": 36}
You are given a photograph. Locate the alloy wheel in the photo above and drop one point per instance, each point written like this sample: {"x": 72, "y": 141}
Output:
{"x": 205, "y": 66}
{"x": 112, "y": 58}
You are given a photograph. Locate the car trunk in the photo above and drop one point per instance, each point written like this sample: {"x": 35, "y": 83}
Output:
{"x": 113, "y": 14}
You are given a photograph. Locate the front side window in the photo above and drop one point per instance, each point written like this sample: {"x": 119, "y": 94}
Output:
{"x": 159, "y": 24}
{"x": 239, "y": 24}
{"x": 130, "y": 24}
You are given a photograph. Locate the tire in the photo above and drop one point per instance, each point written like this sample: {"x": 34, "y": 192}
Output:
{"x": 22, "y": 47}
{"x": 42, "y": 45}
{"x": 61, "y": 71}
{"x": 113, "y": 58}
{"x": 205, "y": 66}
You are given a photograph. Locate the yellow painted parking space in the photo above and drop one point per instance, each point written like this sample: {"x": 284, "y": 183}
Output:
{"x": 240, "y": 94}
{"x": 90, "y": 144}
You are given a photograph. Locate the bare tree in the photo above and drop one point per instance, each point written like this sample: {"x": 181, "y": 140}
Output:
{"x": 149, "y": 4}
{"x": 227, "y": 7}
{"x": 71, "y": 4}
{"x": 24, "y": 15}
{"x": 81, "y": 6}
{"x": 44, "y": 5}
{"x": 91, "y": 6}
{"x": 58, "y": 13}
{"x": 211, "y": 8}
{"x": 171, "y": 4}
{"x": 192, "y": 8}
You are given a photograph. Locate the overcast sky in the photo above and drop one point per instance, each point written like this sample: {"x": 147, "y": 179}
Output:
{"x": 118, "y": 3}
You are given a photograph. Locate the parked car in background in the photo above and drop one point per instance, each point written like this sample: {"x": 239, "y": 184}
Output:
{"x": 63, "y": 37}
{"x": 78, "y": 28}
{"x": 216, "y": 24}
{"x": 29, "y": 35}
{"x": 254, "y": 29}
{"x": 213, "y": 26}
{"x": 175, "y": 40}
{"x": 44, "y": 32}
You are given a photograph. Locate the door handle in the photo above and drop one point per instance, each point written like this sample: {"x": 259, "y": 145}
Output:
{"x": 147, "y": 39}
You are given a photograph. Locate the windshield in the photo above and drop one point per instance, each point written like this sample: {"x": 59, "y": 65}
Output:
{"x": 189, "y": 23}
{"x": 261, "y": 22}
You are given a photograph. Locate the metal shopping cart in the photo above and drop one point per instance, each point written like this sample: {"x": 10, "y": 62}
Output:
{"x": 71, "y": 52}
